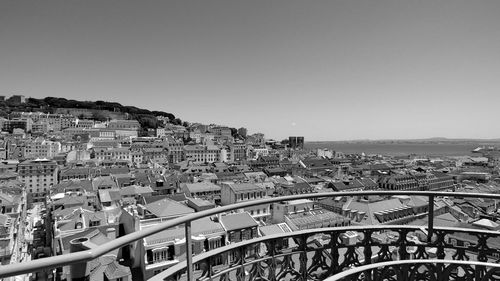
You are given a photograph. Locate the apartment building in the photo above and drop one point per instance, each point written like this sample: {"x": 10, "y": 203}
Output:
{"x": 38, "y": 176}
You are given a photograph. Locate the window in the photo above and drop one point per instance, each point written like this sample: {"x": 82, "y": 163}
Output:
{"x": 159, "y": 256}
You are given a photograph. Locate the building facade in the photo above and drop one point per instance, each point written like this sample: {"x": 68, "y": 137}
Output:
{"x": 38, "y": 176}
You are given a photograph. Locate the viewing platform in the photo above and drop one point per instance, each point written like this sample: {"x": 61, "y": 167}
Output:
{"x": 355, "y": 252}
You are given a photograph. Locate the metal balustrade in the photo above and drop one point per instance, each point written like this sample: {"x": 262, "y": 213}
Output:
{"x": 251, "y": 266}
{"x": 310, "y": 259}
{"x": 432, "y": 269}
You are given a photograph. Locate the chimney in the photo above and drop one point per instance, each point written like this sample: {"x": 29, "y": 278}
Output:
{"x": 361, "y": 215}
{"x": 345, "y": 212}
{"x": 111, "y": 233}
{"x": 353, "y": 214}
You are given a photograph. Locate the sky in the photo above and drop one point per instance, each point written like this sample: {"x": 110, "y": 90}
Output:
{"x": 325, "y": 70}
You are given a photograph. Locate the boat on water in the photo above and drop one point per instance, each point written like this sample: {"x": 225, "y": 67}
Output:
{"x": 484, "y": 149}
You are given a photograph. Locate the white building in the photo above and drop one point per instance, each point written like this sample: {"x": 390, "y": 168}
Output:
{"x": 40, "y": 148}
{"x": 202, "y": 153}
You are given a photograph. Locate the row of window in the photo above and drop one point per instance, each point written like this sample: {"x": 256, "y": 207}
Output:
{"x": 251, "y": 195}
{"x": 257, "y": 212}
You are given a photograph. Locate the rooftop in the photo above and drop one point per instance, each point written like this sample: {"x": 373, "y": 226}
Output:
{"x": 168, "y": 208}
{"x": 238, "y": 221}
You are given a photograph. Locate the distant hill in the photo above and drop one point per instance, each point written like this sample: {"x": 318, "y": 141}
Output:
{"x": 100, "y": 110}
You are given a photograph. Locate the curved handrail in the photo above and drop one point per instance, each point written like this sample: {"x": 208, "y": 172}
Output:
{"x": 202, "y": 256}
{"x": 72, "y": 258}
{"x": 362, "y": 268}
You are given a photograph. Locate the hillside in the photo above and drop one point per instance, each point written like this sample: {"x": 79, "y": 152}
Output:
{"x": 99, "y": 110}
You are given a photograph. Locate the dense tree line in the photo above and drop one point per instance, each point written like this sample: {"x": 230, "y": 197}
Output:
{"x": 146, "y": 118}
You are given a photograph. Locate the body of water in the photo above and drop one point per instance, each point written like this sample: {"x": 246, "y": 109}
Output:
{"x": 395, "y": 149}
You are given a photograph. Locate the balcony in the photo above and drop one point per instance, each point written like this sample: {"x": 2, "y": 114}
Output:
{"x": 358, "y": 252}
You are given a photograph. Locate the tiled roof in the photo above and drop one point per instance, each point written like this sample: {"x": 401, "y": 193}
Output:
{"x": 114, "y": 194}
{"x": 76, "y": 171}
{"x": 115, "y": 270}
{"x": 61, "y": 213}
{"x": 109, "y": 195}
{"x": 251, "y": 175}
{"x": 114, "y": 171}
{"x": 270, "y": 158}
{"x": 339, "y": 186}
{"x": 368, "y": 182}
{"x": 444, "y": 220}
{"x": 123, "y": 179}
{"x": 229, "y": 175}
{"x": 274, "y": 229}
{"x": 70, "y": 200}
{"x": 417, "y": 201}
{"x": 168, "y": 208}
{"x": 200, "y": 202}
{"x": 201, "y": 187}
{"x": 204, "y": 226}
{"x": 135, "y": 190}
{"x": 244, "y": 187}
{"x": 313, "y": 217}
{"x": 316, "y": 163}
{"x": 369, "y": 208}
{"x": 72, "y": 184}
{"x": 265, "y": 185}
{"x": 103, "y": 181}
{"x": 238, "y": 221}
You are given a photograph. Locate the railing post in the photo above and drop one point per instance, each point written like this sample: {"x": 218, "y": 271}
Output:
{"x": 189, "y": 251}
{"x": 430, "y": 219}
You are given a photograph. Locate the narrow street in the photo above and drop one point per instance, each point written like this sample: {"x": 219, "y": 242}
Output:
{"x": 24, "y": 236}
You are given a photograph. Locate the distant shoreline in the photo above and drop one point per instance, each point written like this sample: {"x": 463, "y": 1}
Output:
{"x": 414, "y": 141}
{"x": 398, "y": 148}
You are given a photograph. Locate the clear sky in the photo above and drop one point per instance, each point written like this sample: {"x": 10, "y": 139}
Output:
{"x": 326, "y": 70}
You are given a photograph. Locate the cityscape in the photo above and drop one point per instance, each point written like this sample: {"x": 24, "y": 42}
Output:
{"x": 222, "y": 140}
{"x": 73, "y": 179}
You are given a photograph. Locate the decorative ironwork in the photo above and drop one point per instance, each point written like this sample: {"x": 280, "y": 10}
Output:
{"x": 429, "y": 270}
{"x": 308, "y": 258}
{"x": 321, "y": 253}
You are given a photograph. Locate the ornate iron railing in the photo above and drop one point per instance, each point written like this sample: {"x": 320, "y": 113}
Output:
{"x": 319, "y": 269}
{"x": 433, "y": 269}
{"x": 317, "y": 254}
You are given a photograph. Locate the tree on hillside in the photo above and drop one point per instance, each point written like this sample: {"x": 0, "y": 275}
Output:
{"x": 234, "y": 132}
{"x": 99, "y": 116}
{"x": 147, "y": 121}
{"x": 177, "y": 121}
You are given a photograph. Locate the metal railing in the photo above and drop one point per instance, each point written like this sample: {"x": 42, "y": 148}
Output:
{"x": 408, "y": 269}
{"x": 311, "y": 260}
{"x": 88, "y": 255}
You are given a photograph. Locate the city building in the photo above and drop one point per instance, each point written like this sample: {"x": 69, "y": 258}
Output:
{"x": 41, "y": 148}
{"x": 38, "y": 176}
{"x": 202, "y": 153}
{"x": 296, "y": 142}
{"x": 17, "y": 123}
{"x": 232, "y": 193}
{"x": 132, "y": 125}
